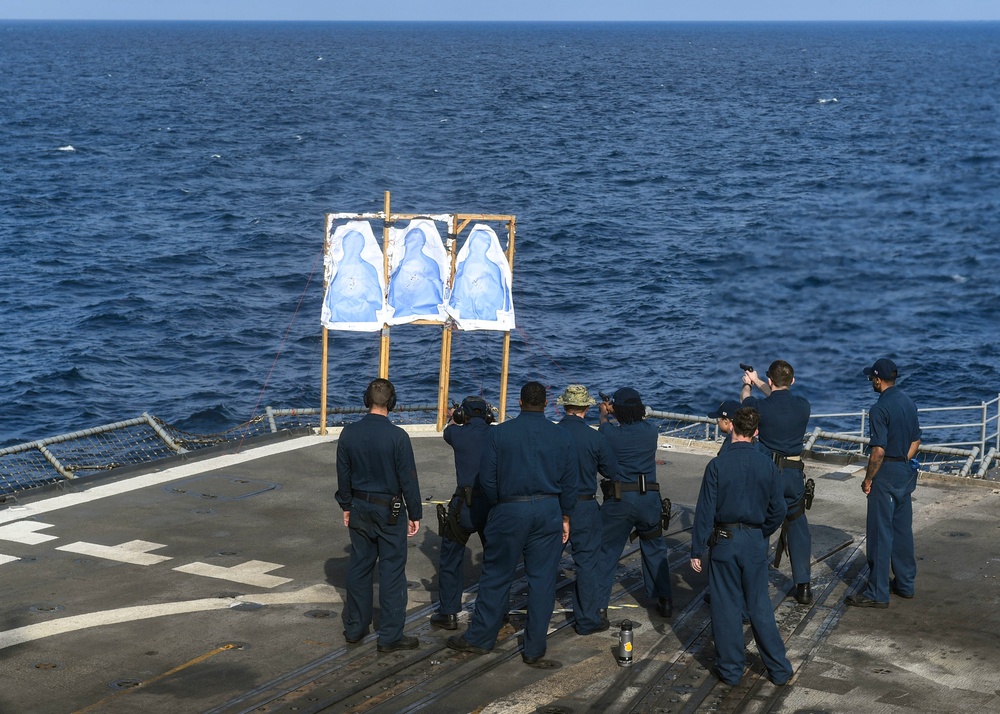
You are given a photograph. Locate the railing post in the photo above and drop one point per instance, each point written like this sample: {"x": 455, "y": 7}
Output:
{"x": 968, "y": 463}
{"x": 272, "y": 421}
{"x": 984, "y": 464}
{"x": 163, "y": 434}
{"x": 982, "y": 431}
{"x": 56, "y": 464}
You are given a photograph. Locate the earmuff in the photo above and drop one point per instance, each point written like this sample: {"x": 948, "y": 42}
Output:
{"x": 392, "y": 394}
{"x": 472, "y": 407}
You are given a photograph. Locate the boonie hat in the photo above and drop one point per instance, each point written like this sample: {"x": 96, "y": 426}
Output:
{"x": 626, "y": 396}
{"x": 576, "y": 395}
{"x": 726, "y": 410}
{"x": 883, "y": 368}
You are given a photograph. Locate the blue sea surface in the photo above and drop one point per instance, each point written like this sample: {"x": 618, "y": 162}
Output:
{"x": 688, "y": 197}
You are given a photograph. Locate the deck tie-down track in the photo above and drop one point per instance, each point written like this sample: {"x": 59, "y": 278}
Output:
{"x": 670, "y": 674}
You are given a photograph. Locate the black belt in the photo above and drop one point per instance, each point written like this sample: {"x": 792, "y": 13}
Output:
{"x": 586, "y": 497}
{"x": 379, "y": 499}
{"x": 528, "y": 499}
{"x": 784, "y": 462}
{"x": 737, "y": 526}
{"x": 894, "y": 458}
{"x": 653, "y": 486}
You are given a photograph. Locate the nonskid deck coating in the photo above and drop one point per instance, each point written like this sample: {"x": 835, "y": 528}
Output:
{"x": 216, "y": 585}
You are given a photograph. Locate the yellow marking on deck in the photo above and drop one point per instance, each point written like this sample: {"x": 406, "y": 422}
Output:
{"x": 157, "y": 678}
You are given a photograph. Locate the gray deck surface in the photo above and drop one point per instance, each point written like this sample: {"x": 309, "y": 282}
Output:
{"x": 216, "y": 585}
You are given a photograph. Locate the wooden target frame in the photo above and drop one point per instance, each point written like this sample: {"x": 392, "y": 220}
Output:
{"x": 457, "y": 222}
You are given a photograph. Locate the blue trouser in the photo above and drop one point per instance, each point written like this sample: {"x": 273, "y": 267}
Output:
{"x": 797, "y": 539}
{"x": 585, "y": 533}
{"x": 532, "y": 529}
{"x": 890, "y": 531}
{"x": 451, "y": 578}
{"x": 618, "y": 519}
{"x": 738, "y": 573}
{"x": 372, "y": 539}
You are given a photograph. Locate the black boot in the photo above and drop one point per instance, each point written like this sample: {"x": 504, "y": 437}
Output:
{"x": 445, "y": 622}
{"x": 665, "y": 607}
{"x": 803, "y": 594}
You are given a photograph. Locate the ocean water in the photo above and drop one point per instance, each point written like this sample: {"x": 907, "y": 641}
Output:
{"x": 688, "y": 197}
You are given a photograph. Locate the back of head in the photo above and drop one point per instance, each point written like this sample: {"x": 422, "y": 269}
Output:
{"x": 745, "y": 422}
{"x": 475, "y": 408}
{"x": 533, "y": 397}
{"x": 381, "y": 394}
{"x": 781, "y": 373}
{"x": 628, "y": 406}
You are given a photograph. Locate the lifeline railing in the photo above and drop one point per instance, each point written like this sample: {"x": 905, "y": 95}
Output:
{"x": 147, "y": 438}
{"x": 954, "y": 454}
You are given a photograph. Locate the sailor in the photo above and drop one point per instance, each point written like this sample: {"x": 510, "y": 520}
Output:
{"x": 595, "y": 456}
{"x": 529, "y": 476}
{"x": 466, "y": 514}
{"x": 783, "y": 420}
{"x": 724, "y": 420}
{"x": 632, "y": 499}
{"x": 740, "y": 505}
{"x": 378, "y": 490}
{"x": 890, "y": 479}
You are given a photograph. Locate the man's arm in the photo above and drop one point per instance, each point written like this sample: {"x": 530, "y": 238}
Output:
{"x": 913, "y": 449}
{"x": 607, "y": 462}
{"x": 750, "y": 379}
{"x": 875, "y": 458}
{"x": 344, "y": 480}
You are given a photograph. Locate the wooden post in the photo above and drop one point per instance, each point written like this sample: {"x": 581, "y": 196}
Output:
{"x": 323, "y": 384}
{"x": 505, "y": 362}
{"x": 324, "y": 377}
{"x": 383, "y": 355}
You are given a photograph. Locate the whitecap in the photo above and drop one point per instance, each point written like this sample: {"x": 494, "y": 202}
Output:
{"x": 959, "y": 279}
{"x": 216, "y": 156}
{"x": 68, "y": 147}
{"x": 831, "y": 100}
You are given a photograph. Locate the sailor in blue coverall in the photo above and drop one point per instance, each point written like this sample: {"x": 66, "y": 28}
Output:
{"x": 890, "y": 479}
{"x": 378, "y": 490}
{"x": 724, "y": 420}
{"x": 783, "y": 420}
{"x": 740, "y": 505}
{"x": 632, "y": 500}
{"x": 595, "y": 455}
{"x": 467, "y": 439}
{"x": 529, "y": 475}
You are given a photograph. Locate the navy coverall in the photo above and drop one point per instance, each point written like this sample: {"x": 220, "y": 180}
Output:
{"x": 529, "y": 477}
{"x": 595, "y": 455}
{"x": 894, "y": 427}
{"x": 374, "y": 465}
{"x": 741, "y": 490}
{"x": 467, "y": 441}
{"x": 635, "y": 448}
{"x": 783, "y": 420}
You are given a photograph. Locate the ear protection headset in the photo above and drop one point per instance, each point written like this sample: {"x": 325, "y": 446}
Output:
{"x": 472, "y": 407}
{"x": 392, "y": 394}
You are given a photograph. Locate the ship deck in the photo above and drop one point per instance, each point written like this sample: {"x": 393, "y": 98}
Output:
{"x": 214, "y": 583}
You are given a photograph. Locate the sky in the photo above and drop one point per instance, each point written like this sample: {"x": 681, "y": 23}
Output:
{"x": 506, "y": 10}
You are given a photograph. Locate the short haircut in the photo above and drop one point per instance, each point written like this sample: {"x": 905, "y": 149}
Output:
{"x": 781, "y": 373}
{"x": 380, "y": 393}
{"x": 745, "y": 421}
{"x": 533, "y": 395}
